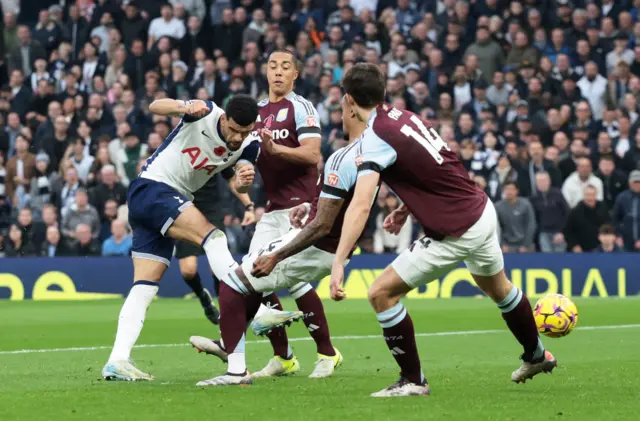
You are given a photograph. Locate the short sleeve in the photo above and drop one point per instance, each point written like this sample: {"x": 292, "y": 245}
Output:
{"x": 228, "y": 173}
{"x": 191, "y": 119}
{"x": 250, "y": 153}
{"x": 340, "y": 175}
{"x": 307, "y": 120}
{"x": 376, "y": 154}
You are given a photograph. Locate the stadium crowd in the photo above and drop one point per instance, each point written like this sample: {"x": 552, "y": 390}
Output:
{"x": 539, "y": 98}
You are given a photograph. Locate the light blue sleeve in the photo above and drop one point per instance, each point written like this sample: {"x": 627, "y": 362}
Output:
{"x": 307, "y": 120}
{"x": 340, "y": 174}
{"x": 376, "y": 154}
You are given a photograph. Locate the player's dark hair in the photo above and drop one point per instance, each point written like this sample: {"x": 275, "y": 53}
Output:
{"x": 294, "y": 58}
{"x": 366, "y": 84}
{"x": 243, "y": 109}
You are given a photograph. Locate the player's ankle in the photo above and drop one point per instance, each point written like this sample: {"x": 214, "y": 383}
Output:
{"x": 327, "y": 350}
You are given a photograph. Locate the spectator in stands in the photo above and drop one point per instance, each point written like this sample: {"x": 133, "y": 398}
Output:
{"x": 41, "y": 184}
{"x": 127, "y": 158}
{"x": 631, "y": 160}
{"x": 227, "y": 35}
{"x": 536, "y": 164}
{"x": 80, "y": 158}
{"x": 584, "y": 222}
{"x": 568, "y": 165}
{"x": 109, "y": 214}
{"x": 626, "y": 213}
{"x": 65, "y": 197}
{"x": 47, "y": 32}
{"x": 607, "y": 238}
{"x": 81, "y": 212}
{"x": 50, "y": 216}
{"x": 574, "y": 187}
{"x": 20, "y": 170}
{"x": 26, "y": 52}
{"x": 119, "y": 244}
{"x": 620, "y": 53}
{"x": 33, "y": 232}
{"x": 498, "y": 92}
{"x": 551, "y": 214}
{"x": 165, "y": 26}
{"x": 16, "y": 246}
{"x": 521, "y": 51}
{"x": 593, "y": 87}
{"x": 517, "y": 221}
{"x": 12, "y": 129}
{"x": 614, "y": 181}
{"x": 383, "y": 242}
{"x": 52, "y": 136}
{"x": 54, "y": 246}
{"x": 236, "y": 237}
{"x": 85, "y": 245}
{"x": 20, "y": 95}
{"x": 10, "y": 32}
{"x": 108, "y": 189}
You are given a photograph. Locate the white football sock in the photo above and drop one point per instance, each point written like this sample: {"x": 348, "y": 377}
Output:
{"x": 132, "y": 318}
{"x": 218, "y": 254}
{"x": 237, "y": 363}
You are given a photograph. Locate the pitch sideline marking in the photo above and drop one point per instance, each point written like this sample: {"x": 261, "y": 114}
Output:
{"x": 346, "y": 337}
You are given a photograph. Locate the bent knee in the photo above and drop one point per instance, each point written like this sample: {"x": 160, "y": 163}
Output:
{"x": 380, "y": 297}
{"x": 188, "y": 270}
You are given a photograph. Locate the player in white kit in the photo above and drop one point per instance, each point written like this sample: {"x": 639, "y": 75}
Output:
{"x": 207, "y": 141}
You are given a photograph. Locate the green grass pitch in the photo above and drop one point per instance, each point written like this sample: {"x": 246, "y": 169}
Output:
{"x": 597, "y": 379}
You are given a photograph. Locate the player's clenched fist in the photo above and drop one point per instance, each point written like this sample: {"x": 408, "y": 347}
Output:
{"x": 197, "y": 108}
{"x": 245, "y": 175}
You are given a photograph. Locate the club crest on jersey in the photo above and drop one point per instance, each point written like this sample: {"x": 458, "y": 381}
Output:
{"x": 268, "y": 121}
{"x": 282, "y": 115}
{"x": 359, "y": 160}
{"x": 332, "y": 179}
{"x": 311, "y": 121}
{"x": 220, "y": 150}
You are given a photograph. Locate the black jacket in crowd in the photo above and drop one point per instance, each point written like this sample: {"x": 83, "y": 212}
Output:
{"x": 583, "y": 226}
{"x": 613, "y": 185}
{"x": 551, "y": 210}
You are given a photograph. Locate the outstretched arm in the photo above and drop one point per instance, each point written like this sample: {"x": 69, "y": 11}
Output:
{"x": 174, "y": 107}
{"x": 319, "y": 227}
{"x": 354, "y": 222}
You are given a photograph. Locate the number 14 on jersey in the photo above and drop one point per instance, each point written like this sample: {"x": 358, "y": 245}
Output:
{"x": 427, "y": 137}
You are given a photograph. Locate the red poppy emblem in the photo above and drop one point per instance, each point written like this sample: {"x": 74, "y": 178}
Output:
{"x": 220, "y": 150}
{"x": 268, "y": 121}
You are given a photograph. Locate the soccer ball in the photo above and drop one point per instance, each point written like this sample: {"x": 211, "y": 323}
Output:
{"x": 556, "y": 315}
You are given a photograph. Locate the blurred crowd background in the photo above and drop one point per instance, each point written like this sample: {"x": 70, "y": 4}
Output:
{"x": 540, "y": 99}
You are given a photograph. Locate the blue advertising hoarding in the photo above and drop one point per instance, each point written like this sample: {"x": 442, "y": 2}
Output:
{"x": 597, "y": 275}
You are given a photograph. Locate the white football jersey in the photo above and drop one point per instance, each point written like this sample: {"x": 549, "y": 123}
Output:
{"x": 195, "y": 151}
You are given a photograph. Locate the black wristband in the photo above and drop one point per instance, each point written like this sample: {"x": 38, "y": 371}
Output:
{"x": 250, "y": 206}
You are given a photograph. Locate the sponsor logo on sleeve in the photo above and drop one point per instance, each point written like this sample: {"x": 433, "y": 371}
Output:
{"x": 311, "y": 121}
{"x": 332, "y": 179}
{"x": 359, "y": 160}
